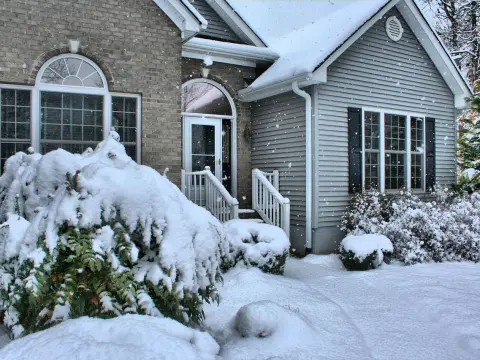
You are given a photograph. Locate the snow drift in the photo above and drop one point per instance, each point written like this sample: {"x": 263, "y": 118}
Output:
{"x": 124, "y": 338}
{"x": 72, "y": 221}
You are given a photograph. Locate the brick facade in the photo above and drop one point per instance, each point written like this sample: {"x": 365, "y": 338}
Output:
{"x": 232, "y": 78}
{"x": 139, "y": 50}
{"x": 133, "y": 41}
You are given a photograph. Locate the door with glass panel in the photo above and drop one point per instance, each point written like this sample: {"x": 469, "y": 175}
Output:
{"x": 203, "y": 144}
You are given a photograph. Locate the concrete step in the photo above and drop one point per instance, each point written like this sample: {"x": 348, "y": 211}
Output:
{"x": 249, "y": 214}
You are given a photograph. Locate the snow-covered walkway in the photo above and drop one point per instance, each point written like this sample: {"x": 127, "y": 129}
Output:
{"x": 396, "y": 312}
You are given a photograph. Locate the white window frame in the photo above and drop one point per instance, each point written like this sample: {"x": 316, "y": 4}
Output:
{"x": 107, "y": 101}
{"x": 408, "y": 163}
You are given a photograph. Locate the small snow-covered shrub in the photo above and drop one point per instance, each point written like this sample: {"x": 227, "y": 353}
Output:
{"x": 366, "y": 212}
{"x": 365, "y": 252}
{"x": 255, "y": 244}
{"x": 98, "y": 235}
{"x": 442, "y": 227}
{"x": 123, "y": 338}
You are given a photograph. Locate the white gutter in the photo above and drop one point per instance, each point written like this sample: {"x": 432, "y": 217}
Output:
{"x": 219, "y": 51}
{"x": 308, "y": 161}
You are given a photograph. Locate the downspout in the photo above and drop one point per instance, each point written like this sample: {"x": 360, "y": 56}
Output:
{"x": 308, "y": 161}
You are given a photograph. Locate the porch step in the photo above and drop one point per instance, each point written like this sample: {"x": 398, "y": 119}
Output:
{"x": 249, "y": 214}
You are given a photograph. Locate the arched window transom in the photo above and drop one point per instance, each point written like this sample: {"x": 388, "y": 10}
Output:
{"x": 204, "y": 98}
{"x": 72, "y": 71}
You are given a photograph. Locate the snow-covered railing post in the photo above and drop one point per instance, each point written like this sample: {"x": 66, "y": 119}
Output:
{"x": 204, "y": 189}
{"x": 272, "y": 207}
{"x": 276, "y": 179}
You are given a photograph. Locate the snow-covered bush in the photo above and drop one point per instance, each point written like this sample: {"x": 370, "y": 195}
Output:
{"x": 255, "y": 244}
{"x": 98, "y": 235}
{"x": 123, "y": 338}
{"x": 366, "y": 211}
{"x": 364, "y": 252}
{"x": 442, "y": 227}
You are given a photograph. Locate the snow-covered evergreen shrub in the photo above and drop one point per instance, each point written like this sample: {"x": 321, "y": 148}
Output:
{"x": 366, "y": 212}
{"x": 442, "y": 227}
{"x": 256, "y": 245}
{"x": 364, "y": 252}
{"x": 98, "y": 235}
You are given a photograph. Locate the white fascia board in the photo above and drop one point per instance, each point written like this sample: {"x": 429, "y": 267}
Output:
{"x": 181, "y": 15}
{"x": 254, "y": 94}
{"x": 320, "y": 74}
{"x": 229, "y": 53}
{"x": 236, "y": 23}
{"x": 437, "y": 52}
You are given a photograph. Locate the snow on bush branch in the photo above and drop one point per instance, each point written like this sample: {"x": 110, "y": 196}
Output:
{"x": 446, "y": 227}
{"x": 96, "y": 234}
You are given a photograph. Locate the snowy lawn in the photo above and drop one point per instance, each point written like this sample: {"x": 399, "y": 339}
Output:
{"x": 395, "y": 312}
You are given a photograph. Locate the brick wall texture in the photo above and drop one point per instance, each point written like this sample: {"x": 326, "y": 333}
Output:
{"x": 139, "y": 50}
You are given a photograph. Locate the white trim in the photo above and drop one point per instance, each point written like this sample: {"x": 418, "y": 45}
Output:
{"x": 229, "y": 53}
{"x": 408, "y": 160}
{"x": 235, "y": 22}
{"x": 232, "y": 118}
{"x": 184, "y": 16}
{"x": 67, "y": 88}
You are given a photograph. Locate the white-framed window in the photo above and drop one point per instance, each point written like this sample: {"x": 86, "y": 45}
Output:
{"x": 69, "y": 107}
{"x": 393, "y": 147}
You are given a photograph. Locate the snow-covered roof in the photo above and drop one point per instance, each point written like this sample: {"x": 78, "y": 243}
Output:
{"x": 304, "y": 33}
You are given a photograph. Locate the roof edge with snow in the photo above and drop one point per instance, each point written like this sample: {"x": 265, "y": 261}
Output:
{"x": 420, "y": 27}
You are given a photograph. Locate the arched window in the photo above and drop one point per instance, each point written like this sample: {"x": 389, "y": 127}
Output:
{"x": 77, "y": 110}
{"x": 202, "y": 97}
{"x": 69, "y": 107}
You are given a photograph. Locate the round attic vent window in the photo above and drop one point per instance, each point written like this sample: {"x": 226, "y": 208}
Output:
{"x": 394, "y": 28}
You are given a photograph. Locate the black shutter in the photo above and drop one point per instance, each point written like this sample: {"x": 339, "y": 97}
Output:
{"x": 355, "y": 149}
{"x": 430, "y": 152}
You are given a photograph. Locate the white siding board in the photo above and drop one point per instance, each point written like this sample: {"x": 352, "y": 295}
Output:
{"x": 376, "y": 72}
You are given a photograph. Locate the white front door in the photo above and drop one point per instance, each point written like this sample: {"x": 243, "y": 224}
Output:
{"x": 203, "y": 144}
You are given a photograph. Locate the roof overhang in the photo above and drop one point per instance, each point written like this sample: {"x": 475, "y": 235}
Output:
{"x": 229, "y": 53}
{"x": 425, "y": 34}
{"x": 235, "y": 22}
{"x": 184, "y": 16}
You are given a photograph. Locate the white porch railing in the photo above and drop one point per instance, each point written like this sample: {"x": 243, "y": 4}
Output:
{"x": 204, "y": 189}
{"x": 273, "y": 208}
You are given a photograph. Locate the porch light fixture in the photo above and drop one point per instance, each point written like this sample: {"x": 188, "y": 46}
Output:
{"x": 206, "y": 66}
{"x": 74, "y": 46}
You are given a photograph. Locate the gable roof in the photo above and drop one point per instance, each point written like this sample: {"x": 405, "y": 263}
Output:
{"x": 320, "y": 31}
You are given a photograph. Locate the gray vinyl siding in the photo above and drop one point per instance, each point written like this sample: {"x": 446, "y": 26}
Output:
{"x": 217, "y": 28}
{"x": 375, "y": 72}
{"x": 278, "y": 142}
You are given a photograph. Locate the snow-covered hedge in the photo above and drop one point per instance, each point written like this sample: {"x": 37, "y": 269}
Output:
{"x": 123, "y": 338}
{"x": 442, "y": 227}
{"x": 255, "y": 244}
{"x": 98, "y": 235}
{"x": 365, "y": 252}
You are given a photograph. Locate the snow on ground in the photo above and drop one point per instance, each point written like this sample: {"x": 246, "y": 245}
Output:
{"x": 124, "y": 338}
{"x": 396, "y": 312}
{"x": 427, "y": 311}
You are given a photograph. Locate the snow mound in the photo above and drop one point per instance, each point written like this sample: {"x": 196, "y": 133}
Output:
{"x": 364, "y": 245}
{"x": 123, "y": 338}
{"x": 100, "y": 212}
{"x": 263, "y": 326}
{"x": 262, "y": 245}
